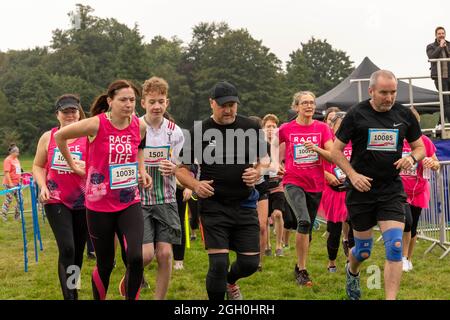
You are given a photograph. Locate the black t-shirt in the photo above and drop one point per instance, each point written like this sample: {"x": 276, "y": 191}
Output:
{"x": 377, "y": 141}
{"x": 223, "y": 152}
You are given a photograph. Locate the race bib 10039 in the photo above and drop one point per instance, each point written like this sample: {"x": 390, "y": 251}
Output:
{"x": 60, "y": 163}
{"x": 154, "y": 155}
{"x": 382, "y": 139}
{"x": 123, "y": 175}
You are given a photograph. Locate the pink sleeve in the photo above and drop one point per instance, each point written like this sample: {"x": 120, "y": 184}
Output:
{"x": 327, "y": 135}
{"x": 430, "y": 148}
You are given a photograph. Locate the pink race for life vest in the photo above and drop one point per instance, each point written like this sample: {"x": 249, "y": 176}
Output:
{"x": 65, "y": 186}
{"x": 112, "y": 167}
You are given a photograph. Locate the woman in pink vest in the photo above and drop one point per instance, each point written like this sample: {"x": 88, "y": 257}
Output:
{"x": 62, "y": 192}
{"x": 112, "y": 176}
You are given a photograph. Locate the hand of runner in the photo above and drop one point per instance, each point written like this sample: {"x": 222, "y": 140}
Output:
{"x": 145, "y": 180}
{"x": 204, "y": 189}
{"x": 44, "y": 195}
{"x": 281, "y": 170}
{"x": 80, "y": 163}
{"x": 250, "y": 176}
{"x": 167, "y": 168}
{"x": 404, "y": 163}
{"x": 331, "y": 179}
{"x": 428, "y": 163}
{"x": 310, "y": 146}
{"x": 187, "y": 194}
{"x": 360, "y": 182}
{"x": 79, "y": 170}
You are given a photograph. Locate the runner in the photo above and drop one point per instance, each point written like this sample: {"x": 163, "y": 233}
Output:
{"x": 12, "y": 173}
{"x": 307, "y": 142}
{"x": 112, "y": 195}
{"x": 226, "y": 190}
{"x": 417, "y": 188}
{"x": 377, "y": 128}
{"x": 62, "y": 191}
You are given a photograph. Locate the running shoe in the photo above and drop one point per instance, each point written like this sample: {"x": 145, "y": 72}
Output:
{"x": 279, "y": 253}
{"x": 410, "y": 265}
{"x": 405, "y": 264}
{"x": 268, "y": 252}
{"x": 178, "y": 265}
{"x": 260, "y": 267}
{"x": 302, "y": 277}
{"x": 332, "y": 269}
{"x": 234, "y": 292}
{"x": 352, "y": 288}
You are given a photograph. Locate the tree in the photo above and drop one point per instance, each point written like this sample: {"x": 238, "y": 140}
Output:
{"x": 330, "y": 66}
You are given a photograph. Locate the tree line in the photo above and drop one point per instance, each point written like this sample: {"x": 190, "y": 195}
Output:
{"x": 95, "y": 51}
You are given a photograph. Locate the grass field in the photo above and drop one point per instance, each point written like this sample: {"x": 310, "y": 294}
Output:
{"x": 430, "y": 278}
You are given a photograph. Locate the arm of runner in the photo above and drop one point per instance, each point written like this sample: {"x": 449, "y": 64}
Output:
{"x": 39, "y": 167}
{"x": 331, "y": 179}
{"x": 202, "y": 188}
{"x": 324, "y": 153}
{"x": 144, "y": 177}
{"x": 252, "y": 175}
{"x": 167, "y": 168}
{"x": 417, "y": 154}
{"x": 86, "y": 127}
{"x": 187, "y": 194}
{"x": 359, "y": 181}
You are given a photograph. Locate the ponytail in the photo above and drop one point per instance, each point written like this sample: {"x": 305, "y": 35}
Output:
{"x": 100, "y": 105}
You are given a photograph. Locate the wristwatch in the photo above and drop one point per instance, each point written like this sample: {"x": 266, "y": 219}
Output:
{"x": 414, "y": 159}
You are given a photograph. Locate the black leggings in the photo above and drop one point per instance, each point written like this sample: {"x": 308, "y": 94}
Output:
{"x": 70, "y": 230}
{"x": 413, "y": 216}
{"x": 129, "y": 226}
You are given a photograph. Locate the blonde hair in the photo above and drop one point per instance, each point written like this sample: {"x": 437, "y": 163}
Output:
{"x": 157, "y": 85}
{"x": 299, "y": 95}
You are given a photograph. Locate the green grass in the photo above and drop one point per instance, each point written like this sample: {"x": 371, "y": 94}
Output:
{"x": 430, "y": 278}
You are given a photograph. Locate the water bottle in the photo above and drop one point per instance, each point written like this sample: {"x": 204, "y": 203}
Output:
{"x": 426, "y": 173}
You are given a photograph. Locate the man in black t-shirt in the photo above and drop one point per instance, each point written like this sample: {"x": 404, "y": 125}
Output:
{"x": 377, "y": 128}
{"x": 227, "y": 148}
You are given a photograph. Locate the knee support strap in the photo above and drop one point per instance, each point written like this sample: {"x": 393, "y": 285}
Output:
{"x": 216, "y": 278}
{"x": 393, "y": 244}
{"x": 362, "y": 246}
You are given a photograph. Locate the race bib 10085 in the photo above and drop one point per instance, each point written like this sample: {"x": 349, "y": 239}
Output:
{"x": 60, "y": 163}
{"x": 154, "y": 155}
{"x": 123, "y": 175}
{"x": 382, "y": 139}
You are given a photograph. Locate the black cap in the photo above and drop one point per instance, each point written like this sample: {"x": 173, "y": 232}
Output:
{"x": 224, "y": 92}
{"x": 66, "y": 103}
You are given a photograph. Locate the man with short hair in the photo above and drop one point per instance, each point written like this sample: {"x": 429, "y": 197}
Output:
{"x": 440, "y": 49}
{"x": 228, "y": 173}
{"x": 376, "y": 128}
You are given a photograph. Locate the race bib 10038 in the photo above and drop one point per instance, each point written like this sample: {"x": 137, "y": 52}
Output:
{"x": 154, "y": 155}
{"x": 60, "y": 163}
{"x": 123, "y": 175}
{"x": 382, "y": 139}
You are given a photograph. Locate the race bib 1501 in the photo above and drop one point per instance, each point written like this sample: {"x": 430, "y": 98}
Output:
{"x": 154, "y": 155}
{"x": 382, "y": 139}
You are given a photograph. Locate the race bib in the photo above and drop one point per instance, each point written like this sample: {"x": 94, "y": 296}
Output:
{"x": 123, "y": 175}
{"x": 382, "y": 139}
{"x": 411, "y": 172}
{"x": 340, "y": 175}
{"x": 303, "y": 155}
{"x": 154, "y": 155}
{"x": 18, "y": 170}
{"x": 60, "y": 163}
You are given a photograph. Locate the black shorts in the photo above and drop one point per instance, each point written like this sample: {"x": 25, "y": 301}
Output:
{"x": 263, "y": 189}
{"x": 374, "y": 208}
{"x": 276, "y": 202}
{"x": 229, "y": 226}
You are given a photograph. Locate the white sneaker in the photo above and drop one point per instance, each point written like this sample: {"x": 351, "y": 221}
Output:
{"x": 178, "y": 265}
{"x": 410, "y": 265}
{"x": 405, "y": 264}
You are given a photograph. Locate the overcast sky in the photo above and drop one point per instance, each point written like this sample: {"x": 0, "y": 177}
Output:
{"x": 393, "y": 34}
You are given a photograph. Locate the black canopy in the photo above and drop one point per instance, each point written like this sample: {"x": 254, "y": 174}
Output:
{"x": 345, "y": 94}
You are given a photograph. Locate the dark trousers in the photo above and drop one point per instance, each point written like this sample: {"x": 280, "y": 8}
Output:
{"x": 445, "y": 87}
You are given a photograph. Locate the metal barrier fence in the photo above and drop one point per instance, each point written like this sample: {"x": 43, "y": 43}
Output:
{"x": 434, "y": 223}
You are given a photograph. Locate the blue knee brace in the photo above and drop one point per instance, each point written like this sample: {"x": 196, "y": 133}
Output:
{"x": 391, "y": 237}
{"x": 362, "y": 246}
